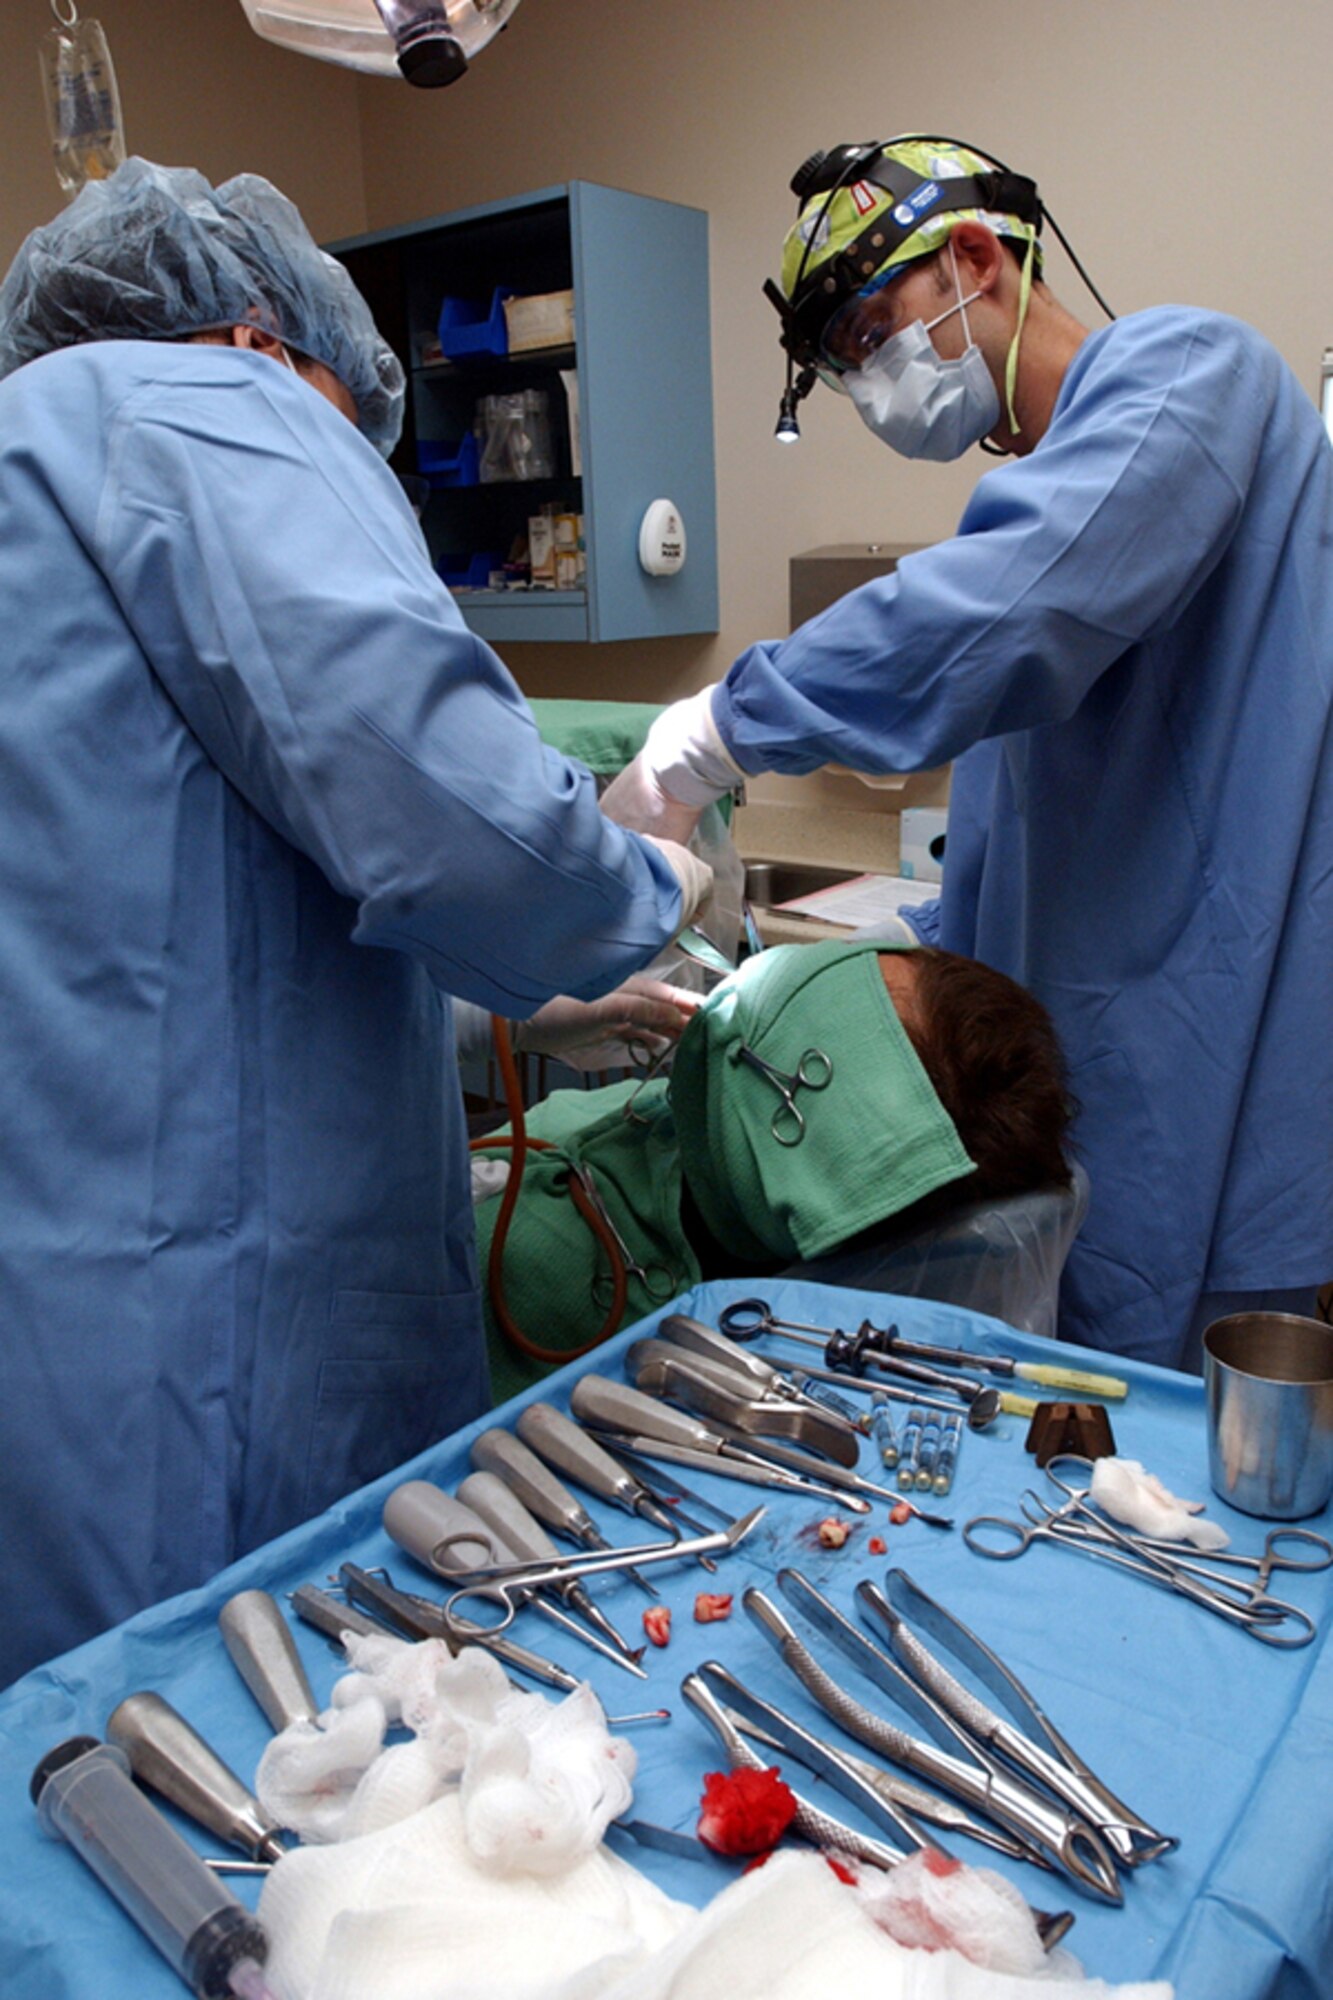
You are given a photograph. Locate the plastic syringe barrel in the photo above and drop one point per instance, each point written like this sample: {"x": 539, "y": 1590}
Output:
{"x": 83, "y": 1792}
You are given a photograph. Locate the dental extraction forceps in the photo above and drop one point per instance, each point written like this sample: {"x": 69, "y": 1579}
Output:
{"x": 1053, "y": 1834}
{"x": 1075, "y": 1526}
{"x": 814, "y": 1071}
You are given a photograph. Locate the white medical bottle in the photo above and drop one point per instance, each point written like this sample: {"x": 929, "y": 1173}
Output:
{"x": 82, "y": 101}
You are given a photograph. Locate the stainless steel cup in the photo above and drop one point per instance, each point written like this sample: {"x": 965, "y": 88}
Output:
{"x": 1269, "y": 1384}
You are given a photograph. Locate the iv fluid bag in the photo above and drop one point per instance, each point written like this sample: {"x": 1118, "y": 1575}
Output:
{"x": 82, "y": 103}
{"x": 372, "y": 34}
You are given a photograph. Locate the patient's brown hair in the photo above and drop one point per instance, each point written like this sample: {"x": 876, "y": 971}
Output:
{"x": 990, "y": 1050}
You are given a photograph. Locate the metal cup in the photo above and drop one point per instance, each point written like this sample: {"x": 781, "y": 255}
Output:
{"x": 1269, "y": 1384}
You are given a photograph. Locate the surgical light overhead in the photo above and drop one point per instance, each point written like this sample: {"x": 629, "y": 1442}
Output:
{"x": 430, "y": 42}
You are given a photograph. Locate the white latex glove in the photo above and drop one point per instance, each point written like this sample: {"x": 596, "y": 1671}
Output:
{"x": 683, "y": 767}
{"x": 595, "y": 1034}
{"x": 694, "y": 876}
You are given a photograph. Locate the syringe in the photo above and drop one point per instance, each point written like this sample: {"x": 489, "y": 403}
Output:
{"x": 83, "y": 1792}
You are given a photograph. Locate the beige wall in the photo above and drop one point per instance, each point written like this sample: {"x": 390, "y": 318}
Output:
{"x": 1180, "y": 142}
{"x": 198, "y": 88}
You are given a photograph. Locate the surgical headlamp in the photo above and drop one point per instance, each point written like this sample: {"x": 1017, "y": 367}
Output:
{"x": 818, "y": 295}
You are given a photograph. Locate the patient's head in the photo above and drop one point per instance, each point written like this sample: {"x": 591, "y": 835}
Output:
{"x": 991, "y": 1053}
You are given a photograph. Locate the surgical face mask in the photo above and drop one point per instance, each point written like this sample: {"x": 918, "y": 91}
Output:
{"x": 921, "y": 405}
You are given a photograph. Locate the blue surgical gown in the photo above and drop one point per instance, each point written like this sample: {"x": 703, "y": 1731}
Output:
{"x": 264, "y": 802}
{"x": 1128, "y": 649}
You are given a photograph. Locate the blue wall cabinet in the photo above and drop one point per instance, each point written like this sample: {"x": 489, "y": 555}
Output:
{"x": 639, "y": 360}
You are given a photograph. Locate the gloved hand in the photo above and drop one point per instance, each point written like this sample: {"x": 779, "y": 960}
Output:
{"x": 595, "y": 1034}
{"x": 694, "y": 876}
{"x": 683, "y": 767}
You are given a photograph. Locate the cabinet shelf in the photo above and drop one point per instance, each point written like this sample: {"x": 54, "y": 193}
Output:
{"x": 640, "y": 362}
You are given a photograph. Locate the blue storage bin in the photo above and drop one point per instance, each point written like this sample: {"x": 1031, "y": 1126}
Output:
{"x": 450, "y": 464}
{"x": 467, "y": 328}
{"x": 460, "y": 572}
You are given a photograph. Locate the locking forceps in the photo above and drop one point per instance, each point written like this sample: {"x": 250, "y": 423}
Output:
{"x": 508, "y": 1584}
{"x": 813, "y": 1071}
{"x": 657, "y": 1280}
{"x": 1001, "y": 1540}
{"x": 1283, "y": 1547}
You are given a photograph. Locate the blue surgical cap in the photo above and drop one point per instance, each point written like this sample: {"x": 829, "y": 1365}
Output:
{"x": 155, "y": 253}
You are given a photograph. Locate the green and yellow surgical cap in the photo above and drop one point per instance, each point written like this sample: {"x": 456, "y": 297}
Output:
{"x": 876, "y": 1137}
{"x": 828, "y": 226}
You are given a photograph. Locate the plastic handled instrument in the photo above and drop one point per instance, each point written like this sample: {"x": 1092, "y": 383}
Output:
{"x": 544, "y": 1496}
{"x": 660, "y": 1369}
{"x": 500, "y": 1586}
{"x": 503, "y": 1512}
{"x": 84, "y": 1794}
{"x": 446, "y": 1536}
{"x": 570, "y": 1448}
{"x": 967, "y": 1769}
{"x": 167, "y": 1753}
{"x": 263, "y": 1651}
{"x": 1051, "y": 1762}
{"x": 643, "y": 1469}
{"x": 654, "y": 1430}
{"x": 746, "y": 1319}
{"x": 821, "y": 1829}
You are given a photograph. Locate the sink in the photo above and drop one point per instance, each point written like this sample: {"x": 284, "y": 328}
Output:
{"x": 769, "y": 883}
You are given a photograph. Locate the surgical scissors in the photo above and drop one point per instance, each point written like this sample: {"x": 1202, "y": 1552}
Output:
{"x": 814, "y": 1071}
{"x": 507, "y": 1584}
{"x": 1075, "y": 1526}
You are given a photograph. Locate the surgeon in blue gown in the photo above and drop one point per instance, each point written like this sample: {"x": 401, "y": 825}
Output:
{"x": 1127, "y": 650}
{"x": 264, "y": 803}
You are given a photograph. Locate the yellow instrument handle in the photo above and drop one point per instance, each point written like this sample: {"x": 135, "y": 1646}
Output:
{"x": 1072, "y": 1378}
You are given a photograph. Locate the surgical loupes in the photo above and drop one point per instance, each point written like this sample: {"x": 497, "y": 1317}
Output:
{"x": 83, "y": 1793}
{"x": 967, "y": 1769}
{"x": 1054, "y": 1764}
{"x": 504, "y": 1513}
{"x": 446, "y": 1536}
{"x": 544, "y": 1496}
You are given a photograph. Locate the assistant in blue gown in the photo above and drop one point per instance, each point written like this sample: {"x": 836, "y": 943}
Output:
{"x": 264, "y": 803}
{"x": 1128, "y": 650}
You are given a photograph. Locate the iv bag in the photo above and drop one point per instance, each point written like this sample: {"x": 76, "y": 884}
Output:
{"x": 82, "y": 101}
{"x": 430, "y": 42}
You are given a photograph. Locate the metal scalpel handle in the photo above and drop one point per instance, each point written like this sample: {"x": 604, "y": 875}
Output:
{"x": 171, "y": 1756}
{"x": 263, "y": 1651}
